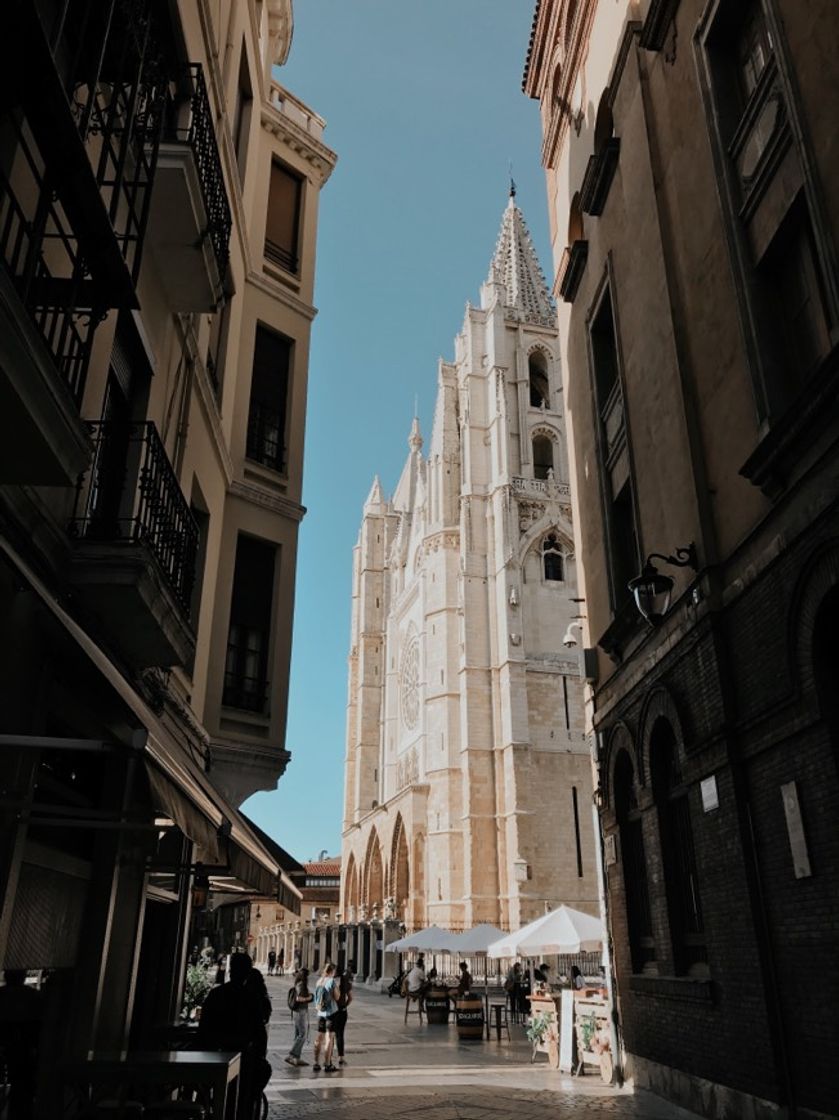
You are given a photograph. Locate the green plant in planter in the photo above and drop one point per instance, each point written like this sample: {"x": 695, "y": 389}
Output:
{"x": 538, "y": 1027}
{"x": 197, "y": 984}
{"x": 588, "y": 1029}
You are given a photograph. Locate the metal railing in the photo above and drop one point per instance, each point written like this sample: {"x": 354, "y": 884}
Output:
{"x": 189, "y": 120}
{"x": 266, "y": 436}
{"x": 276, "y": 254}
{"x": 58, "y": 301}
{"x": 131, "y": 495}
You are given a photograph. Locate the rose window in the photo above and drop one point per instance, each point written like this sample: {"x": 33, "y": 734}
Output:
{"x": 409, "y": 685}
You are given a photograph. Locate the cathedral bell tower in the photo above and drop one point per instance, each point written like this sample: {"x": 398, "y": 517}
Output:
{"x": 466, "y": 757}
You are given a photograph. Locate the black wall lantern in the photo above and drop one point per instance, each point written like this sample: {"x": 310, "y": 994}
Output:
{"x": 200, "y": 888}
{"x": 652, "y": 590}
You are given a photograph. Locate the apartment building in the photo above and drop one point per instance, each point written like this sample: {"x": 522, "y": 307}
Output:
{"x": 690, "y": 156}
{"x": 158, "y": 213}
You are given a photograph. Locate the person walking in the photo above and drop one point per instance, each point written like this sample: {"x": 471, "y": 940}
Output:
{"x": 326, "y": 1005}
{"x": 343, "y": 980}
{"x": 300, "y": 1016}
{"x": 272, "y": 962}
{"x": 280, "y": 960}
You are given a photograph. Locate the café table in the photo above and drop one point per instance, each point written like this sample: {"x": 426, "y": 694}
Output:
{"x": 185, "y": 1069}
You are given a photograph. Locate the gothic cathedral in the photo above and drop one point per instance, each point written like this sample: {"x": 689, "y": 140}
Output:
{"x": 468, "y": 778}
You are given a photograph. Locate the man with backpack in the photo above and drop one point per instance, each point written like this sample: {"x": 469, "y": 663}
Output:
{"x": 299, "y": 998}
{"x": 326, "y": 1005}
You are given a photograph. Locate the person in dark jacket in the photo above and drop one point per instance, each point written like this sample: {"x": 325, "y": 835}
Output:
{"x": 233, "y": 1018}
{"x": 343, "y": 978}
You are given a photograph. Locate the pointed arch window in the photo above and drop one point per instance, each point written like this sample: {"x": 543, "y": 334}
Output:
{"x": 634, "y": 863}
{"x": 543, "y": 456}
{"x": 681, "y": 881}
{"x": 537, "y": 369}
{"x": 553, "y": 561}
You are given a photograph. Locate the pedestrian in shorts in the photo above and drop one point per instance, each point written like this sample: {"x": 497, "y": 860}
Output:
{"x": 326, "y": 1005}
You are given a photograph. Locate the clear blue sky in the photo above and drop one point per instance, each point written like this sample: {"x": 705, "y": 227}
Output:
{"x": 423, "y": 105}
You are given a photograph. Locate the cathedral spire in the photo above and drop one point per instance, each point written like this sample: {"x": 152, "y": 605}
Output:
{"x": 375, "y": 499}
{"x": 415, "y": 438}
{"x": 516, "y": 266}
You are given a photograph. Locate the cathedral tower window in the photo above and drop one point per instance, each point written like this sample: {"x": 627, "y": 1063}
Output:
{"x": 543, "y": 456}
{"x": 537, "y": 368}
{"x": 552, "y": 558}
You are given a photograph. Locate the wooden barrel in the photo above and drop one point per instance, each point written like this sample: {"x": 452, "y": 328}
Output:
{"x": 470, "y": 1017}
{"x": 437, "y": 1005}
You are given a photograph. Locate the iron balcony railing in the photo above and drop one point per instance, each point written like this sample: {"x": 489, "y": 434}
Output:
{"x": 266, "y": 436}
{"x": 58, "y": 298}
{"x": 281, "y": 256}
{"x": 189, "y": 120}
{"x": 131, "y": 495}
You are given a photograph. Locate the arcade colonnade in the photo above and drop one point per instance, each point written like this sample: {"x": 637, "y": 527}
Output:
{"x": 363, "y": 943}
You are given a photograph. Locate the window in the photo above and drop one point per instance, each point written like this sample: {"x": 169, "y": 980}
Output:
{"x": 782, "y": 254}
{"x": 791, "y": 274}
{"x": 215, "y": 347}
{"x": 537, "y": 367}
{"x": 552, "y": 559}
{"x": 543, "y": 456}
{"x": 283, "y": 225}
{"x": 621, "y": 535}
{"x": 754, "y": 49}
{"x": 634, "y": 864}
{"x": 681, "y": 882}
{"x": 269, "y": 398}
{"x": 242, "y": 115}
{"x": 198, "y": 509}
{"x": 246, "y": 665}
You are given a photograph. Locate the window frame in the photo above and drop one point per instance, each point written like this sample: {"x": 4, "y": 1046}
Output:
{"x": 292, "y": 265}
{"x": 607, "y": 455}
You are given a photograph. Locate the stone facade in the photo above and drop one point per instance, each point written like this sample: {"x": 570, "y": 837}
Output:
{"x": 689, "y": 150}
{"x": 466, "y": 753}
{"x": 159, "y": 192}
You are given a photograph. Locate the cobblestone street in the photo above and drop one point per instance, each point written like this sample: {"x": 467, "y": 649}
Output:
{"x": 425, "y": 1072}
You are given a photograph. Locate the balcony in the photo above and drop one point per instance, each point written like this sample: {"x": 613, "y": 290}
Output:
{"x": 189, "y": 221}
{"x": 47, "y": 320}
{"x": 136, "y": 544}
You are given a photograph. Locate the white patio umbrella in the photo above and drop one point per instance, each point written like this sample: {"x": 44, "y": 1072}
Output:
{"x": 563, "y": 930}
{"x": 475, "y": 942}
{"x": 432, "y": 940}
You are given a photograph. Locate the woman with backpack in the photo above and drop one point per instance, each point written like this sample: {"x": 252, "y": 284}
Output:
{"x": 343, "y": 980}
{"x": 326, "y": 1005}
{"x": 299, "y": 998}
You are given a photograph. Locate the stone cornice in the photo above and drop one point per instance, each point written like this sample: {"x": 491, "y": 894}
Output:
{"x": 279, "y": 292}
{"x": 257, "y": 496}
{"x": 321, "y": 158}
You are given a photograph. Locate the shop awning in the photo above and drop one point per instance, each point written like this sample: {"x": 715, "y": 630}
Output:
{"x": 178, "y": 783}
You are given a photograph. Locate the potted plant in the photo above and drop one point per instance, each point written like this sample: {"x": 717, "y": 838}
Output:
{"x": 196, "y": 986}
{"x": 541, "y": 1031}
